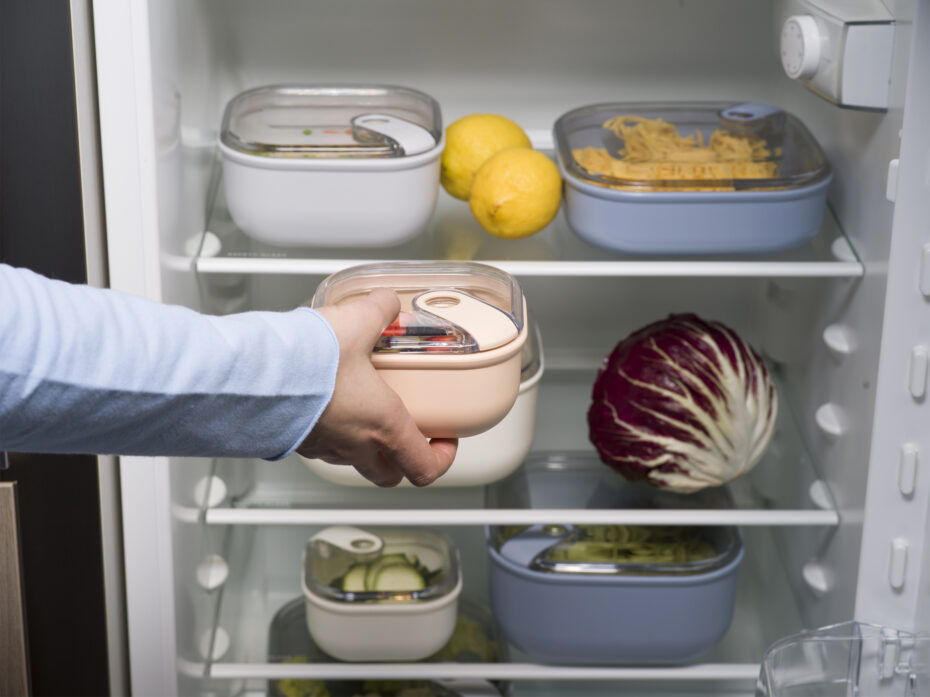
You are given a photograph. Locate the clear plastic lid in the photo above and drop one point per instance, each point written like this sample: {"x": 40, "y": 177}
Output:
{"x": 618, "y": 549}
{"x": 446, "y": 307}
{"x": 580, "y": 481}
{"x": 411, "y": 565}
{"x": 688, "y": 147}
{"x": 330, "y": 121}
{"x": 531, "y": 354}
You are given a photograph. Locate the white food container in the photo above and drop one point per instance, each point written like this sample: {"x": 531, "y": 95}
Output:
{"x": 484, "y": 458}
{"x": 373, "y": 625}
{"x": 331, "y": 166}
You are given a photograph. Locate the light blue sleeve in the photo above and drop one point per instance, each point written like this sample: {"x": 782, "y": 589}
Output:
{"x": 85, "y": 370}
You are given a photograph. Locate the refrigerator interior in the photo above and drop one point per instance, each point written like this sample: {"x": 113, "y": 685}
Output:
{"x": 217, "y": 551}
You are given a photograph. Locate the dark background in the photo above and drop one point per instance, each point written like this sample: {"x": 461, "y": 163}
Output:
{"x": 41, "y": 228}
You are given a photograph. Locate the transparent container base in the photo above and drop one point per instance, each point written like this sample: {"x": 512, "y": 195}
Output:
{"x": 851, "y": 659}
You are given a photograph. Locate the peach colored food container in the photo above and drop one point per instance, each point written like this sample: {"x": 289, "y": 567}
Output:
{"x": 454, "y": 353}
{"x": 484, "y": 458}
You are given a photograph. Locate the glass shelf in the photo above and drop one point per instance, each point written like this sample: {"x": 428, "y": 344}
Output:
{"x": 265, "y": 591}
{"x": 555, "y": 251}
{"x": 782, "y": 490}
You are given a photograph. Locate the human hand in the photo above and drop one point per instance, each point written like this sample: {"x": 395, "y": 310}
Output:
{"x": 366, "y": 424}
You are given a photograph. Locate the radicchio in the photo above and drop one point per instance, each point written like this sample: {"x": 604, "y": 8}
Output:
{"x": 683, "y": 404}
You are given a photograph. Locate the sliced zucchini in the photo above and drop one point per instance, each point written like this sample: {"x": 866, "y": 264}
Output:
{"x": 375, "y": 566}
{"x": 401, "y": 577}
{"x": 354, "y": 580}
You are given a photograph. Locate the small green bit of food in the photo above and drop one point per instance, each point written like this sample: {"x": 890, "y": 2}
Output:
{"x": 308, "y": 131}
{"x": 296, "y": 687}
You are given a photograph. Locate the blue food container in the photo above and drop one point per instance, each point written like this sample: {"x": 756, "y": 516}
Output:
{"x": 690, "y": 178}
{"x": 607, "y": 594}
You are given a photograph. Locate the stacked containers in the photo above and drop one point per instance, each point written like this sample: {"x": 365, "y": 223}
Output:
{"x": 486, "y": 457}
{"x": 605, "y": 594}
{"x": 676, "y": 178}
{"x": 331, "y": 165}
{"x": 454, "y": 352}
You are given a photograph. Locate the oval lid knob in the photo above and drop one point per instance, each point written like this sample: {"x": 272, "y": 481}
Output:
{"x": 411, "y": 138}
{"x": 488, "y": 325}
{"x": 352, "y": 540}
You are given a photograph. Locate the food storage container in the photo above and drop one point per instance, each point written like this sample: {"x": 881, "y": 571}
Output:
{"x": 331, "y": 165}
{"x": 690, "y": 178}
{"x": 385, "y": 596}
{"x": 475, "y": 639}
{"x": 605, "y": 594}
{"x": 484, "y": 458}
{"x": 851, "y": 658}
{"x": 454, "y": 352}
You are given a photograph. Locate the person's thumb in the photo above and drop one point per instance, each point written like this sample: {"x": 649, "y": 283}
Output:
{"x": 383, "y": 306}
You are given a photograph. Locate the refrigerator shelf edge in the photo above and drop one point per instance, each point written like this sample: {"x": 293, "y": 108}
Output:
{"x": 555, "y": 251}
{"x": 341, "y": 516}
{"x": 485, "y": 671}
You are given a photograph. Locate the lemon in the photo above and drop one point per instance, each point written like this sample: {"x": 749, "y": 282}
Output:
{"x": 516, "y": 193}
{"x": 469, "y": 142}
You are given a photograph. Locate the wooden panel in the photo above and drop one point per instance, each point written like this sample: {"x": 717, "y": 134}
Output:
{"x": 14, "y": 678}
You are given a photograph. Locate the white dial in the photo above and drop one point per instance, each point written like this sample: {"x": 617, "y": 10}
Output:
{"x": 800, "y": 47}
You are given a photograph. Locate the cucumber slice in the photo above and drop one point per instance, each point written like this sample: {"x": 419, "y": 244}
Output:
{"x": 375, "y": 566}
{"x": 354, "y": 580}
{"x": 399, "y": 578}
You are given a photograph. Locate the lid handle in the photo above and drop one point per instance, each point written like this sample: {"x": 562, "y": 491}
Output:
{"x": 490, "y": 326}
{"x": 411, "y": 138}
{"x": 348, "y": 538}
{"x": 523, "y": 548}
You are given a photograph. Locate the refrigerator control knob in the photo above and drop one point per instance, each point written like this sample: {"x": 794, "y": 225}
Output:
{"x": 801, "y": 46}
{"x": 818, "y": 577}
{"x": 831, "y": 420}
{"x": 212, "y": 572}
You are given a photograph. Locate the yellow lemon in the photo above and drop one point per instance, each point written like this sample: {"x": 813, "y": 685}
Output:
{"x": 469, "y": 142}
{"x": 516, "y": 193}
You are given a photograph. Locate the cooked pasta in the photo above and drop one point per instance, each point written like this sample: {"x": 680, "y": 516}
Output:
{"x": 654, "y": 152}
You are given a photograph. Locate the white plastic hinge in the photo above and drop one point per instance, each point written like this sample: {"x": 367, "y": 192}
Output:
{"x": 209, "y": 492}
{"x": 817, "y": 577}
{"x": 897, "y": 567}
{"x": 917, "y": 372}
{"x": 839, "y": 339}
{"x": 891, "y": 183}
{"x": 212, "y": 572}
{"x": 907, "y": 469}
{"x": 831, "y": 420}
{"x": 890, "y": 654}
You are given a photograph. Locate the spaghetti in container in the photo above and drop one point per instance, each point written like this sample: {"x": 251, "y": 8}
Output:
{"x": 676, "y": 178}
